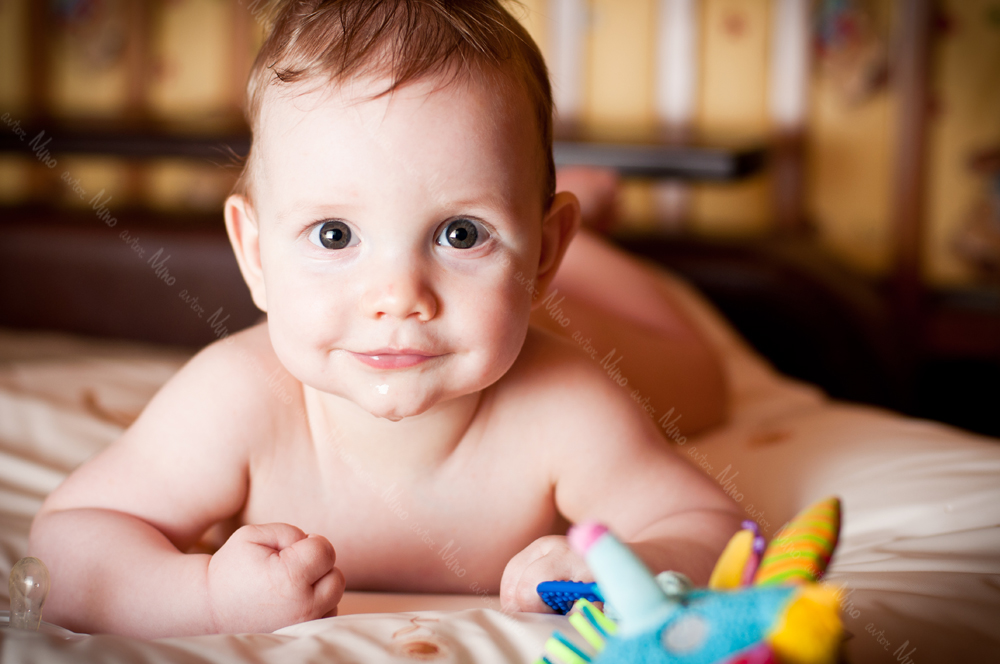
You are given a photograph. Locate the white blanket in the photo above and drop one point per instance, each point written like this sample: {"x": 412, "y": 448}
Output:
{"x": 919, "y": 556}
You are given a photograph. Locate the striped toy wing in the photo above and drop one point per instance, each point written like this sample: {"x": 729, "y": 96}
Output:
{"x": 800, "y": 552}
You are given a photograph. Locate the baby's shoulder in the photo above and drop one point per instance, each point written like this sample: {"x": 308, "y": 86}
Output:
{"x": 237, "y": 380}
{"x": 564, "y": 383}
{"x": 546, "y": 360}
{"x": 238, "y": 358}
{"x": 567, "y": 409}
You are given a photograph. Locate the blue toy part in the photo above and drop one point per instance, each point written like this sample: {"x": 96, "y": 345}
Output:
{"x": 626, "y": 582}
{"x": 560, "y": 595}
{"x": 712, "y": 627}
{"x": 708, "y": 627}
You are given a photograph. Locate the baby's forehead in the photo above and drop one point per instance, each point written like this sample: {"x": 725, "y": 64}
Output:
{"x": 430, "y": 113}
{"x": 508, "y": 102}
{"x": 446, "y": 135}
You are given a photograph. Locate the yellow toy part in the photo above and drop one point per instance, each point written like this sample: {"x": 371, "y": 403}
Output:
{"x": 728, "y": 571}
{"x": 800, "y": 552}
{"x": 809, "y": 632}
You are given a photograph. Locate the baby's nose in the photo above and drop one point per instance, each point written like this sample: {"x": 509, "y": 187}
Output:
{"x": 400, "y": 293}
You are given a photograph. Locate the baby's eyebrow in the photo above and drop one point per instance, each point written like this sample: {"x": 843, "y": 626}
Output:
{"x": 490, "y": 199}
{"x": 301, "y": 211}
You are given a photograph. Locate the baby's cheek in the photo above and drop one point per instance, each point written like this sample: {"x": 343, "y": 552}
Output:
{"x": 303, "y": 334}
{"x": 505, "y": 328}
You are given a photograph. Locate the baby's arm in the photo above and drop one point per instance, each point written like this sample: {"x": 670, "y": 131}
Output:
{"x": 113, "y": 533}
{"x": 608, "y": 462}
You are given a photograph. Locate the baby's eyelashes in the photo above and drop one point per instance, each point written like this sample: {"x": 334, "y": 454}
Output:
{"x": 463, "y": 233}
{"x": 333, "y": 234}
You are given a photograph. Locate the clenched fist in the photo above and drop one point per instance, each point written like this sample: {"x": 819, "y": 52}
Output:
{"x": 270, "y": 576}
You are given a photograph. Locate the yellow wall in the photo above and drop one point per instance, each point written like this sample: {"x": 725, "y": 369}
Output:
{"x": 532, "y": 15}
{"x": 733, "y": 77}
{"x": 849, "y": 149}
{"x": 13, "y": 95}
{"x": 733, "y": 108}
{"x": 93, "y": 175}
{"x": 14, "y": 179}
{"x": 79, "y": 89}
{"x": 849, "y": 156}
{"x": 193, "y": 44}
{"x": 618, "y": 90}
{"x": 966, "y": 87}
{"x": 13, "y": 56}
{"x": 849, "y": 161}
{"x": 175, "y": 183}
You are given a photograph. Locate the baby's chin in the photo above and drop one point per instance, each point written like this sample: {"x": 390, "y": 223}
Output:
{"x": 385, "y": 400}
{"x": 399, "y": 406}
{"x": 394, "y": 412}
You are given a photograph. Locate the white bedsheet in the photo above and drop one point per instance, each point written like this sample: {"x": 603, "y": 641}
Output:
{"x": 919, "y": 556}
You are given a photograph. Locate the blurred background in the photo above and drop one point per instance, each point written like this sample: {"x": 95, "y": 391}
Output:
{"x": 827, "y": 171}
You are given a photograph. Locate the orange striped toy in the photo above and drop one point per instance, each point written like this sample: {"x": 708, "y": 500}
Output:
{"x": 801, "y": 550}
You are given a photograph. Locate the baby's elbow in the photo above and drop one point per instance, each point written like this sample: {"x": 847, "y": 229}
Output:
{"x": 717, "y": 398}
{"x": 43, "y": 536}
{"x": 708, "y": 403}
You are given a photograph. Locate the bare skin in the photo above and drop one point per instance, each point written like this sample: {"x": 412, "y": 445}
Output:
{"x": 615, "y": 309}
{"x": 396, "y": 424}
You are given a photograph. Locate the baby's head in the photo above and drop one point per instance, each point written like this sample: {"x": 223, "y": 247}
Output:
{"x": 396, "y": 217}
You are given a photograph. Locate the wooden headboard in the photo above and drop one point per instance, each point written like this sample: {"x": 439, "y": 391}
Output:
{"x": 150, "y": 277}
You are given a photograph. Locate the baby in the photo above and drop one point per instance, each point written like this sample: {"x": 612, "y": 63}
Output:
{"x": 437, "y": 426}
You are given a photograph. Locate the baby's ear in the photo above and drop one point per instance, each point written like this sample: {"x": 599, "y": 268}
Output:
{"x": 558, "y": 228}
{"x": 244, "y": 235}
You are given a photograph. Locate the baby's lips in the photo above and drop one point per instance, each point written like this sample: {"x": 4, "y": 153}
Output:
{"x": 583, "y": 535}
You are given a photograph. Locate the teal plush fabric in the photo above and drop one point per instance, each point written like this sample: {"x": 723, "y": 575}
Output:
{"x": 709, "y": 627}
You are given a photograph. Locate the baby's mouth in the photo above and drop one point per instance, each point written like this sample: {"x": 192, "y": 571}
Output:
{"x": 400, "y": 359}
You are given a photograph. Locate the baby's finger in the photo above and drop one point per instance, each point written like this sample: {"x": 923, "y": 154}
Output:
{"x": 525, "y": 593}
{"x": 309, "y": 559}
{"x": 275, "y": 536}
{"x": 559, "y": 564}
{"x": 518, "y": 564}
{"x": 512, "y": 576}
{"x": 327, "y": 593}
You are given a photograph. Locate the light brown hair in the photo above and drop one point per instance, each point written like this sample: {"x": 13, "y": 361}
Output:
{"x": 402, "y": 40}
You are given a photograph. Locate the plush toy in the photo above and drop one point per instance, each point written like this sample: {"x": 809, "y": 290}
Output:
{"x": 763, "y": 605}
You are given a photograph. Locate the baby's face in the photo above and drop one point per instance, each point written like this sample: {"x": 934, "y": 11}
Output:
{"x": 392, "y": 232}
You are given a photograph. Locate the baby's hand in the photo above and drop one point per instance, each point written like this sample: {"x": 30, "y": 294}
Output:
{"x": 270, "y": 576}
{"x": 548, "y": 558}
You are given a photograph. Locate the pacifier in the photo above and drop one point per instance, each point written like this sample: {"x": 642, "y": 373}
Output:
{"x": 28, "y": 587}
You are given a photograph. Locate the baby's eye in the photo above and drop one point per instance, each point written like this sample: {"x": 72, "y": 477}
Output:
{"x": 463, "y": 233}
{"x": 332, "y": 235}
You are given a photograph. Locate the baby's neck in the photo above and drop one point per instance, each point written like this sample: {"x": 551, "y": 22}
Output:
{"x": 412, "y": 445}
